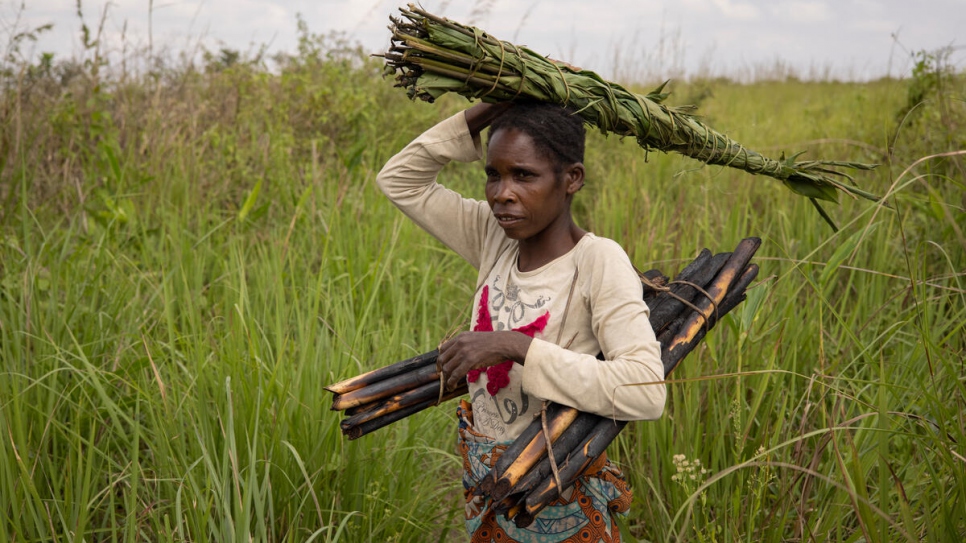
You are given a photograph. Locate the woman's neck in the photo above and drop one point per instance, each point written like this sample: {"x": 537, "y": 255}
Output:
{"x": 536, "y": 253}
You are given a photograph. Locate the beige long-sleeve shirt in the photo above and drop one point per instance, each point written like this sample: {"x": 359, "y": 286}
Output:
{"x": 605, "y": 313}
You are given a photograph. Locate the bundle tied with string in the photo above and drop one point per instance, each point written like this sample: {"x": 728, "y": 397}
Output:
{"x": 562, "y": 443}
{"x": 431, "y": 56}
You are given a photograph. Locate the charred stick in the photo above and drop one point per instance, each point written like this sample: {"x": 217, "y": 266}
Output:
{"x": 735, "y": 295}
{"x": 386, "y": 388}
{"x": 707, "y": 305}
{"x": 569, "y": 440}
{"x": 732, "y": 298}
{"x": 513, "y": 451}
{"x": 533, "y": 450}
{"x": 688, "y": 273}
{"x": 387, "y": 372}
{"x": 653, "y": 282}
{"x": 394, "y": 403}
{"x": 681, "y": 345}
{"x": 738, "y": 287}
{"x": 509, "y": 506}
{"x": 364, "y": 428}
{"x": 589, "y": 450}
{"x": 683, "y": 292}
{"x": 355, "y": 432}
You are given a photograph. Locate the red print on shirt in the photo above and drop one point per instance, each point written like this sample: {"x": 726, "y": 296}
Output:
{"x": 498, "y": 376}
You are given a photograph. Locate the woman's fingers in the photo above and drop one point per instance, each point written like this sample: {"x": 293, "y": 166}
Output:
{"x": 461, "y": 354}
{"x": 481, "y": 115}
{"x": 477, "y": 350}
{"x": 454, "y": 374}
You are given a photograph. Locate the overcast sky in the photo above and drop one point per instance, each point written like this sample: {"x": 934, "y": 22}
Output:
{"x": 853, "y": 39}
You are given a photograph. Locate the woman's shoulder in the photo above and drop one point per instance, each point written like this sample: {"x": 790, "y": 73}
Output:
{"x": 606, "y": 275}
{"x": 604, "y": 265}
{"x": 596, "y": 250}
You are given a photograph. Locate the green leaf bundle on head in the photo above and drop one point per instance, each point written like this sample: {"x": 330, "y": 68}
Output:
{"x": 431, "y": 56}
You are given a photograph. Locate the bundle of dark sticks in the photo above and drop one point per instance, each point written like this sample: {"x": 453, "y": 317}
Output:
{"x": 524, "y": 479}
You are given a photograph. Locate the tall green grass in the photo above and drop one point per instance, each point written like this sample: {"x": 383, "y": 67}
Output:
{"x": 189, "y": 254}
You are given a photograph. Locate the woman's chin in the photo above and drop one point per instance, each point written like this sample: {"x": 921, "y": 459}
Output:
{"x": 515, "y": 234}
{"x": 513, "y": 229}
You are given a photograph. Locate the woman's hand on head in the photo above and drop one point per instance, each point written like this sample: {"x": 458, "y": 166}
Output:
{"x": 477, "y": 350}
{"x": 481, "y": 115}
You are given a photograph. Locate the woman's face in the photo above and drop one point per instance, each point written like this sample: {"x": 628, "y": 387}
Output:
{"x": 528, "y": 197}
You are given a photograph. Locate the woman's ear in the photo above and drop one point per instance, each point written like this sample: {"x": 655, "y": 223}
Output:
{"x": 574, "y": 177}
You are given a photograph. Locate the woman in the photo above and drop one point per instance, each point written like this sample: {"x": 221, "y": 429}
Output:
{"x": 549, "y": 297}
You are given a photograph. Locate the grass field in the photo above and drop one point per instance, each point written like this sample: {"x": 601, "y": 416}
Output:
{"x": 190, "y": 252}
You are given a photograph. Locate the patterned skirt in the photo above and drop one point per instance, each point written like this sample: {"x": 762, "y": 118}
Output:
{"x": 583, "y": 513}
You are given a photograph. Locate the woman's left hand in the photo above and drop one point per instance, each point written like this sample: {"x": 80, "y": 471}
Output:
{"x": 477, "y": 350}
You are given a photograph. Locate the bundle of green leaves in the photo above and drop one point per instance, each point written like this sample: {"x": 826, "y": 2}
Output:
{"x": 431, "y": 56}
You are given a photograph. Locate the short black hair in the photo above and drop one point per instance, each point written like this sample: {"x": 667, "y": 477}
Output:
{"x": 556, "y": 130}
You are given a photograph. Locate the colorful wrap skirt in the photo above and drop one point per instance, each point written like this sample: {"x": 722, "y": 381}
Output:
{"x": 583, "y": 513}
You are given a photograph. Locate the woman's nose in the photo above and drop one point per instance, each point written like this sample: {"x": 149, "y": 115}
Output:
{"x": 504, "y": 191}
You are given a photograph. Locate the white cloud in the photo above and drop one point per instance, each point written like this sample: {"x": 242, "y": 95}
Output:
{"x": 876, "y": 26}
{"x": 696, "y": 7}
{"x": 738, "y": 11}
{"x": 803, "y": 11}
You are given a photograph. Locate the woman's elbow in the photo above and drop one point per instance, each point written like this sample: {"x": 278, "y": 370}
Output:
{"x": 648, "y": 407}
{"x": 656, "y": 409}
{"x": 384, "y": 181}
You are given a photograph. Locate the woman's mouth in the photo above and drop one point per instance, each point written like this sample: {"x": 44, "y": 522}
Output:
{"x": 508, "y": 220}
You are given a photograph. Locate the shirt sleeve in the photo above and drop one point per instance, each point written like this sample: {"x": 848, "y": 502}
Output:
{"x": 409, "y": 181}
{"x": 628, "y": 383}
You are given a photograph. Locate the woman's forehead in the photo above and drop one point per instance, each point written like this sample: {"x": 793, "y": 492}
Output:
{"x": 518, "y": 146}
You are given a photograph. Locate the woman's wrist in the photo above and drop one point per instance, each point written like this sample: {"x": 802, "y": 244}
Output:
{"x": 517, "y": 344}
{"x": 481, "y": 115}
